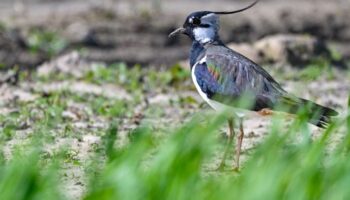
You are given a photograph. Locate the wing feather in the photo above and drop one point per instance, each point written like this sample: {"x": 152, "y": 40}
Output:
{"x": 226, "y": 76}
{"x": 237, "y": 75}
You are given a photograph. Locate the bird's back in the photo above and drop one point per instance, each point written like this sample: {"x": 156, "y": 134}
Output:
{"x": 235, "y": 72}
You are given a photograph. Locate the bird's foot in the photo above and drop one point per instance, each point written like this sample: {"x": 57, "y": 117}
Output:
{"x": 236, "y": 169}
{"x": 220, "y": 168}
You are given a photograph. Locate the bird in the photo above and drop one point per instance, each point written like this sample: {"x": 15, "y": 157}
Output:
{"x": 223, "y": 76}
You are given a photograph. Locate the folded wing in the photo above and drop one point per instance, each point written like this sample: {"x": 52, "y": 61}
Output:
{"x": 226, "y": 76}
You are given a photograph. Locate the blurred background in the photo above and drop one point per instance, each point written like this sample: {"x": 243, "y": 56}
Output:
{"x": 135, "y": 31}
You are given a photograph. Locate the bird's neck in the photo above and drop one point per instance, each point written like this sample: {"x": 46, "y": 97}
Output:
{"x": 198, "y": 49}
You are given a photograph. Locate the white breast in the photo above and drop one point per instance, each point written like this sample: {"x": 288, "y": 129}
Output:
{"x": 214, "y": 104}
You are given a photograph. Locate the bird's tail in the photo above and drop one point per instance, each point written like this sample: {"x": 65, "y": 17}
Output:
{"x": 318, "y": 115}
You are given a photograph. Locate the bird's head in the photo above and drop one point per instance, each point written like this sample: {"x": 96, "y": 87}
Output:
{"x": 203, "y": 26}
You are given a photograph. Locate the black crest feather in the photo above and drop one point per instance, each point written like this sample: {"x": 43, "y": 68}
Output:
{"x": 236, "y": 11}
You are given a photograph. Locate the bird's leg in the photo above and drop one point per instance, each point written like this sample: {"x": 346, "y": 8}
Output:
{"x": 239, "y": 143}
{"x": 230, "y": 135}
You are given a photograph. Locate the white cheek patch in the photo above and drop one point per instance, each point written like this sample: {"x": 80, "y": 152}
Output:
{"x": 203, "y": 35}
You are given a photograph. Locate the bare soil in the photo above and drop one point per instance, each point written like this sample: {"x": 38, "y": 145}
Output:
{"x": 161, "y": 108}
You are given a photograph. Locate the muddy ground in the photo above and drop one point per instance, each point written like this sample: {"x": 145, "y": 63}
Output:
{"x": 84, "y": 108}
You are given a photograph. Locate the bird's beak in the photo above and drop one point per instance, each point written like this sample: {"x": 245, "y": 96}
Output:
{"x": 177, "y": 31}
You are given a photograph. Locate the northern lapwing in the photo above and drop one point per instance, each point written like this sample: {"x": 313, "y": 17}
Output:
{"x": 223, "y": 76}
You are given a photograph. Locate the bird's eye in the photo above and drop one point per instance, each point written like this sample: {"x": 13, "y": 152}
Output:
{"x": 196, "y": 21}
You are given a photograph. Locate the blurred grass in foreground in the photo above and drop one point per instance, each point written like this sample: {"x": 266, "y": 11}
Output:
{"x": 175, "y": 166}
{"x": 280, "y": 167}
